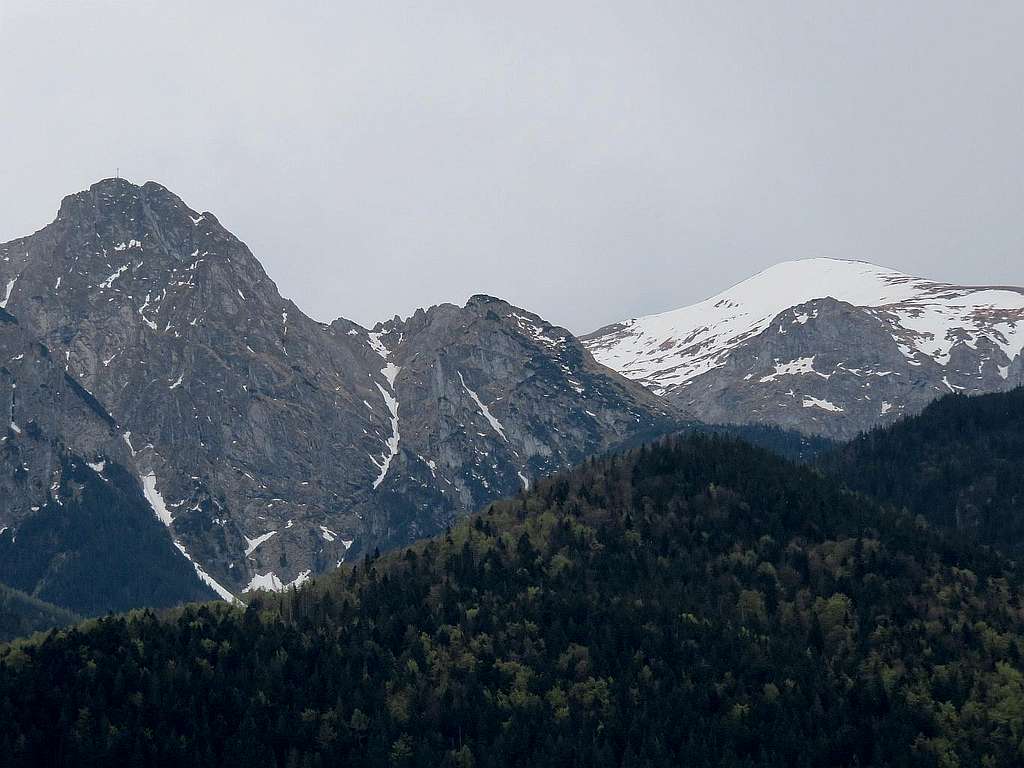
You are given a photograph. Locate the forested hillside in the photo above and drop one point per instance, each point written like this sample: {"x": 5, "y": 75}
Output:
{"x": 960, "y": 464}
{"x": 22, "y": 615}
{"x": 698, "y": 602}
{"x": 787, "y": 443}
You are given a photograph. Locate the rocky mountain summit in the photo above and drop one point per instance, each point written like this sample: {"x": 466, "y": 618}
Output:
{"x": 272, "y": 446}
{"x": 824, "y": 346}
{"x": 483, "y": 399}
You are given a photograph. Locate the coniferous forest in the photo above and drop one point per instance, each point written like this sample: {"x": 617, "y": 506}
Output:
{"x": 960, "y": 464}
{"x": 22, "y": 614}
{"x": 696, "y": 602}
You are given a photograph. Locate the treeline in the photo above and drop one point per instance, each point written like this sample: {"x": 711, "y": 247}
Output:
{"x": 21, "y": 614}
{"x": 698, "y": 602}
{"x": 787, "y": 443}
{"x": 959, "y": 464}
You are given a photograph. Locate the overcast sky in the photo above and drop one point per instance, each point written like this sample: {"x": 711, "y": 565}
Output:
{"x": 589, "y": 161}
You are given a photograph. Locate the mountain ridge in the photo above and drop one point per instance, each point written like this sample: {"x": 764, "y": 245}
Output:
{"x": 274, "y": 446}
{"x": 271, "y": 444}
{"x": 928, "y": 337}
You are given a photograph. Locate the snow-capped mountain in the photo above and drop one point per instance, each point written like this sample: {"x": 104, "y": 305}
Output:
{"x": 272, "y": 446}
{"x": 826, "y": 346}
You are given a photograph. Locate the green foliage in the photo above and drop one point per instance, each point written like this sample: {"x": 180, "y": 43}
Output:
{"x": 699, "y": 602}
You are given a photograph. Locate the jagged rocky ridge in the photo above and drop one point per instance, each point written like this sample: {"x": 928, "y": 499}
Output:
{"x": 825, "y": 346}
{"x": 273, "y": 446}
{"x": 487, "y": 397}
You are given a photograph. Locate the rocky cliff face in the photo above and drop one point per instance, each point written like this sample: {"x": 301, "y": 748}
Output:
{"x": 485, "y": 398}
{"x": 75, "y": 527}
{"x": 232, "y": 401}
{"x": 46, "y": 413}
{"x": 274, "y": 446}
{"x": 827, "y": 347}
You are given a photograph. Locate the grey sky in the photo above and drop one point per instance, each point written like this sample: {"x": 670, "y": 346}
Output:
{"x": 589, "y": 161}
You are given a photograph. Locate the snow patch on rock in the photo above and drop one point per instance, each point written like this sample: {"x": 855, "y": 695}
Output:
{"x": 156, "y": 501}
{"x": 252, "y": 544}
{"x": 7, "y": 292}
{"x": 825, "y": 405}
{"x": 495, "y": 424}
{"x": 390, "y": 373}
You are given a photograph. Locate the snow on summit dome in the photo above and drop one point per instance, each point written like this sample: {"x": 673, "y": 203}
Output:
{"x": 667, "y": 350}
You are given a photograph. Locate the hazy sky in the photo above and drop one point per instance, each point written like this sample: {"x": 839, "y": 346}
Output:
{"x": 589, "y": 161}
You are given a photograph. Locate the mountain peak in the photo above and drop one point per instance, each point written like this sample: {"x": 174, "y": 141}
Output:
{"x": 112, "y": 183}
{"x": 133, "y": 206}
{"x": 270, "y": 444}
{"x": 119, "y": 184}
{"x": 763, "y": 335}
{"x": 483, "y": 298}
